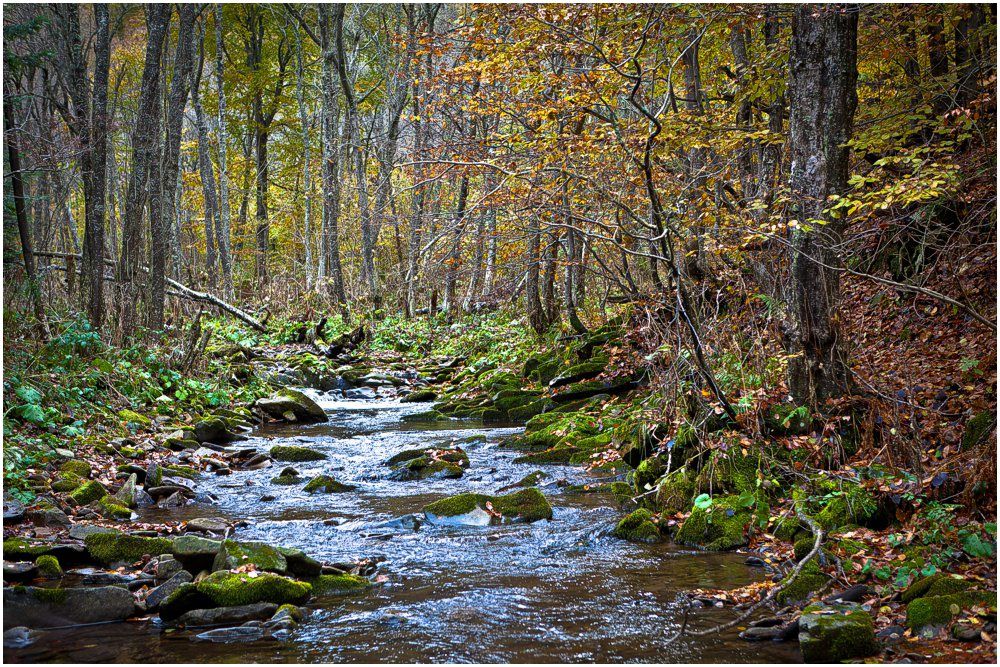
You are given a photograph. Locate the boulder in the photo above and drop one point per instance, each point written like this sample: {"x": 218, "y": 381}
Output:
{"x": 228, "y": 615}
{"x": 49, "y": 607}
{"x": 207, "y": 525}
{"x": 233, "y": 554}
{"x": 110, "y": 548}
{"x": 229, "y": 589}
{"x": 295, "y": 454}
{"x": 23, "y": 570}
{"x": 156, "y": 596}
{"x": 836, "y": 632}
{"x": 326, "y": 484}
{"x": 196, "y": 553}
{"x": 214, "y": 430}
{"x": 339, "y": 584}
{"x": 291, "y": 405}
{"x": 477, "y": 509}
{"x": 638, "y": 527}
{"x": 420, "y": 396}
{"x": 88, "y": 492}
{"x": 429, "y": 462}
{"x": 719, "y": 527}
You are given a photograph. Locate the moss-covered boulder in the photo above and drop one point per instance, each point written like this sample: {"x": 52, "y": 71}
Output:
{"x": 66, "y": 482}
{"x": 110, "y": 507}
{"x": 326, "y": 484}
{"x": 836, "y": 632}
{"x": 110, "y": 548}
{"x": 294, "y": 454}
{"x": 88, "y": 492}
{"x": 675, "y": 491}
{"x": 48, "y": 567}
{"x": 722, "y": 526}
{"x": 76, "y": 467}
{"x": 647, "y": 473}
{"x": 229, "y": 589}
{"x": 477, "y": 509}
{"x": 935, "y": 584}
{"x": 215, "y": 430}
{"x": 420, "y": 396}
{"x": 638, "y": 527}
{"x": 233, "y": 554}
{"x": 584, "y": 370}
{"x": 928, "y": 614}
{"x": 291, "y": 405}
{"x": 429, "y": 462}
{"x": 288, "y": 477}
{"x": 339, "y": 584}
{"x": 810, "y": 580}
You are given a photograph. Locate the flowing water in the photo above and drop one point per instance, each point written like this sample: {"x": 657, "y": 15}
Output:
{"x": 554, "y": 591}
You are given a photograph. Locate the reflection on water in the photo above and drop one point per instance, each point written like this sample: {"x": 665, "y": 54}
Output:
{"x": 558, "y": 591}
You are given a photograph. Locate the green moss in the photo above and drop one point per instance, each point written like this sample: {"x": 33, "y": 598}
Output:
{"x": 978, "y": 428}
{"x": 637, "y": 527}
{"x": 48, "y": 566}
{"x": 810, "y": 580}
{"x": 88, "y": 492}
{"x": 339, "y": 584}
{"x": 675, "y": 491}
{"x": 295, "y": 612}
{"x": 530, "y": 410}
{"x": 561, "y": 454}
{"x": 938, "y": 610}
{"x": 286, "y": 480}
{"x": 113, "y": 509}
{"x": 233, "y": 554}
{"x": 295, "y": 454}
{"x": 525, "y": 505}
{"x": 936, "y": 584}
{"x": 18, "y": 548}
{"x": 133, "y": 418}
{"x": 76, "y": 467}
{"x": 182, "y": 471}
{"x": 52, "y": 596}
{"x": 788, "y": 528}
{"x": 230, "y": 589}
{"x": 722, "y": 526}
{"x": 326, "y": 484}
{"x": 687, "y": 437}
{"x": 834, "y": 633}
{"x": 116, "y": 547}
{"x": 620, "y": 491}
{"x": 420, "y": 396}
{"x": 66, "y": 483}
{"x": 848, "y": 547}
{"x": 852, "y": 506}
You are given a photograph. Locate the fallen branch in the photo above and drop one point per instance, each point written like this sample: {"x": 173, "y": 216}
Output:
{"x": 181, "y": 291}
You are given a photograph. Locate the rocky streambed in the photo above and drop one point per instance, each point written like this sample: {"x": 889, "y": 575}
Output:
{"x": 379, "y": 534}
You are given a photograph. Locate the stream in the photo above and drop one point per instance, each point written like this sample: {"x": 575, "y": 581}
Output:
{"x": 553, "y": 591}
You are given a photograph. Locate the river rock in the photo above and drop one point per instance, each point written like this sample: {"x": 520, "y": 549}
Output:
{"x": 126, "y": 494}
{"x": 13, "y": 510}
{"x": 80, "y": 531}
{"x": 165, "y": 566}
{"x": 361, "y": 393}
{"x": 228, "y": 615}
{"x": 21, "y": 637}
{"x": 207, "y": 525}
{"x": 836, "y": 632}
{"x": 291, "y": 405}
{"x": 233, "y": 554}
{"x": 49, "y": 607}
{"x": 476, "y": 509}
{"x": 195, "y": 552}
{"x": 295, "y": 454}
{"x": 19, "y": 570}
{"x": 232, "y": 635}
{"x": 214, "y": 430}
{"x": 157, "y": 595}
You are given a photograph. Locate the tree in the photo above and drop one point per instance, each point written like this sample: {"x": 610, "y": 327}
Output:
{"x": 823, "y": 98}
{"x": 223, "y": 231}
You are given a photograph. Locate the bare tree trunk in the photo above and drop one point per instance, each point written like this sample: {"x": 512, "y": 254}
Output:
{"x": 222, "y": 231}
{"x": 145, "y": 158}
{"x": 187, "y": 13}
{"x": 331, "y": 164}
{"x": 93, "y": 234}
{"x": 535, "y": 314}
{"x": 822, "y": 86}
{"x": 306, "y": 161}
{"x": 212, "y": 222}
{"x": 454, "y": 256}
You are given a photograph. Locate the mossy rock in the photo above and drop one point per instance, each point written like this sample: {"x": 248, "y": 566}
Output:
{"x": 425, "y": 416}
{"x": 18, "y": 548}
{"x": 114, "y": 509}
{"x": 978, "y": 428}
{"x": 66, "y": 483}
{"x": 582, "y": 371}
{"x": 836, "y": 632}
{"x": 556, "y": 455}
{"x": 530, "y": 410}
{"x": 675, "y": 491}
{"x": 326, "y": 484}
{"x": 429, "y": 462}
{"x": 420, "y": 396}
{"x": 788, "y": 529}
{"x": 76, "y": 467}
{"x": 133, "y": 418}
{"x": 231, "y": 589}
{"x": 531, "y": 479}
{"x": 213, "y": 429}
{"x": 729, "y": 472}
{"x": 88, "y": 492}
{"x": 620, "y": 491}
{"x": 810, "y": 580}
{"x": 927, "y": 614}
{"x": 524, "y": 506}
{"x": 110, "y": 548}
{"x": 647, "y": 473}
{"x": 295, "y": 454}
{"x": 638, "y": 527}
{"x": 287, "y": 480}
{"x": 233, "y": 554}
{"x": 853, "y": 505}
{"x": 48, "y": 567}
{"x": 935, "y": 584}
{"x": 291, "y": 405}
{"x": 339, "y": 584}
{"x": 181, "y": 471}
{"x": 720, "y": 527}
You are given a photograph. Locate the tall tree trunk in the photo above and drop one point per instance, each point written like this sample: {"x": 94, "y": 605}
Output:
{"x": 145, "y": 159}
{"x": 20, "y": 210}
{"x": 222, "y": 231}
{"x": 454, "y": 256}
{"x": 93, "y": 233}
{"x": 179, "y": 88}
{"x": 332, "y": 272}
{"x": 966, "y": 55}
{"x": 212, "y": 222}
{"x": 822, "y": 87}
{"x": 536, "y": 316}
{"x": 300, "y": 96}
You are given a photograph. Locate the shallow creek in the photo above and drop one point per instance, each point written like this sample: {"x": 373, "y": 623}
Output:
{"x": 554, "y": 591}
